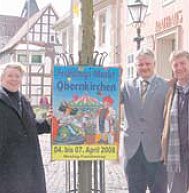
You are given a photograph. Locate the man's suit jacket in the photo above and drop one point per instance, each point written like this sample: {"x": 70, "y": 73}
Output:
{"x": 144, "y": 122}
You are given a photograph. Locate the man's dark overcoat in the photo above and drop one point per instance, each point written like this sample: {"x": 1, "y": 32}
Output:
{"x": 21, "y": 167}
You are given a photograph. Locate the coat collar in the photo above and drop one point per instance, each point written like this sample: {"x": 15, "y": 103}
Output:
{"x": 5, "y": 99}
{"x": 166, "y": 115}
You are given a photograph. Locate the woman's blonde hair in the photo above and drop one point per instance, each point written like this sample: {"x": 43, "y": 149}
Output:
{"x": 16, "y": 65}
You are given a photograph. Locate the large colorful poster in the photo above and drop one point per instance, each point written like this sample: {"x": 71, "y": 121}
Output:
{"x": 86, "y": 113}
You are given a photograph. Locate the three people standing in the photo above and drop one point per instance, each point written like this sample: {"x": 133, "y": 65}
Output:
{"x": 143, "y": 97}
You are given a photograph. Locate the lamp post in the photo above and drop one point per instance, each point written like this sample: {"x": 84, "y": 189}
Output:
{"x": 138, "y": 11}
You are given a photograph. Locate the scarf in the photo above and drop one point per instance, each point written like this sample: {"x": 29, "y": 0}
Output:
{"x": 173, "y": 161}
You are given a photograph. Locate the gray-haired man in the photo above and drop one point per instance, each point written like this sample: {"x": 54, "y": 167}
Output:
{"x": 143, "y": 98}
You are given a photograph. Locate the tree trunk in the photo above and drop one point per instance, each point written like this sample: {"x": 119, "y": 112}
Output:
{"x": 88, "y": 33}
{"x": 86, "y": 58}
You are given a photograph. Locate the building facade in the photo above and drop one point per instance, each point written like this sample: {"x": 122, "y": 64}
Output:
{"x": 165, "y": 29}
{"x": 33, "y": 44}
{"x": 58, "y": 41}
{"x": 108, "y": 27}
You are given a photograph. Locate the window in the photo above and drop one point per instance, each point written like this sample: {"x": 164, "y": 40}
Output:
{"x": 130, "y": 58}
{"x": 52, "y": 38}
{"x": 36, "y": 58}
{"x": 130, "y": 68}
{"x": 130, "y": 71}
{"x": 22, "y": 58}
{"x": 102, "y": 29}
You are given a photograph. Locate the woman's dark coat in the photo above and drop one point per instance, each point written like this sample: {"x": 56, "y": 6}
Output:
{"x": 21, "y": 167}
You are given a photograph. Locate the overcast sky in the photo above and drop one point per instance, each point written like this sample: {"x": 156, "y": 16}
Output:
{"x": 14, "y": 7}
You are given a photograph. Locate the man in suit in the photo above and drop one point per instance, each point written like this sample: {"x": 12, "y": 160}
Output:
{"x": 143, "y": 99}
{"x": 175, "y": 138}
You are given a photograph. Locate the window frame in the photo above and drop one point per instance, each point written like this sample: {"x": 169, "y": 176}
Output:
{"x": 22, "y": 55}
{"x": 34, "y": 60}
{"x": 102, "y": 28}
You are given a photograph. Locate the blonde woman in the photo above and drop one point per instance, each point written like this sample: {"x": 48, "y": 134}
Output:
{"x": 21, "y": 167}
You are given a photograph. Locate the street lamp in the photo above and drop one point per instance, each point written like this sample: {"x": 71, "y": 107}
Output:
{"x": 138, "y": 11}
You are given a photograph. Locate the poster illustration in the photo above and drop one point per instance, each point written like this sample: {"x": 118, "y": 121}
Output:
{"x": 86, "y": 113}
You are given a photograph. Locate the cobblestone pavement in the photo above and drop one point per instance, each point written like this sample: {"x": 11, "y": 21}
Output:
{"x": 55, "y": 172}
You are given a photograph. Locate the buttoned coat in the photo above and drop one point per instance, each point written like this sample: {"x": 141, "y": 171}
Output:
{"x": 144, "y": 121}
{"x": 21, "y": 167}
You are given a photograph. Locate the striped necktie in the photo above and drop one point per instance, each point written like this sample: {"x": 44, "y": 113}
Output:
{"x": 144, "y": 86}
